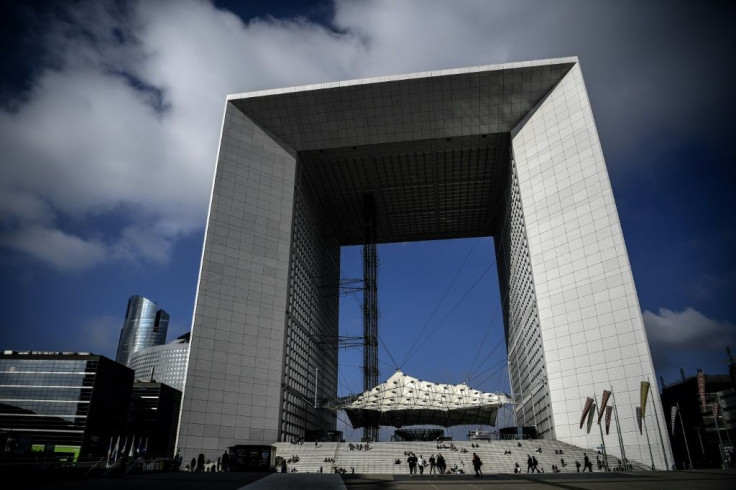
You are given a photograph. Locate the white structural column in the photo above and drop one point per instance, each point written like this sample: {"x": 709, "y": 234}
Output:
{"x": 233, "y": 386}
{"x": 590, "y": 322}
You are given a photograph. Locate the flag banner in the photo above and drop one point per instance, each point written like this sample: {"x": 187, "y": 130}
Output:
{"x": 701, "y": 389}
{"x": 116, "y": 450}
{"x": 109, "y": 448}
{"x": 638, "y": 418}
{"x": 715, "y": 410}
{"x": 609, "y": 409}
{"x": 604, "y": 402}
{"x": 586, "y": 409}
{"x": 673, "y": 414}
{"x": 644, "y": 394}
{"x": 591, "y": 415}
{"x": 132, "y": 448}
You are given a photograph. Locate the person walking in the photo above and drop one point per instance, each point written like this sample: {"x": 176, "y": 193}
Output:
{"x": 283, "y": 465}
{"x": 441, "y": 463}
{"x": 432, "y": 465}
{"x": 587, "y": 465}
{"x": 535, "y": 464}
{"x": 577, "y": 465}
{"x": 412, "y": 460}
{"x": 421, "y": 463}
{"x": 529, "y": 463}
{"x": 477, "y": 463}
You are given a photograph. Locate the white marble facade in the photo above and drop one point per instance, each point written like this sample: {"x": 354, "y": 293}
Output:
{"x": 572, "y": 317}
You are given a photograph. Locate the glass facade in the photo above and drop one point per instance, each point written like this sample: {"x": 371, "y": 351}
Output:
{"x": 153, "y": 417}
{"x": 145, "y": 326}
{"x": 53, "y": 400}
{"x": 163, "y": 363}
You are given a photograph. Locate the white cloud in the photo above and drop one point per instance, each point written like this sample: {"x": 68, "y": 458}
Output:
{"x": 688, "y": 329}
{"x": 123, "y": 119}
{"x": 63, "y": 251}
{"x": 679, "y": 338}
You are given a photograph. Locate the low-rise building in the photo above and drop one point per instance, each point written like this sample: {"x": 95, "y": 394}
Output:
{"x": 67, "y": 405}
{"x": 165, "y": 363}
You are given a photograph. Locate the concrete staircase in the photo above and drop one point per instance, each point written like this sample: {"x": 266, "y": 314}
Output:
{"x": 381, "y": 457}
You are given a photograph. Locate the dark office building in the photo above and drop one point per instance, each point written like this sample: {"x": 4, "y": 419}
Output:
{"x": 153, "y": 417}
{"x": 695, "y": 429}
{"x": 65, "y": 404}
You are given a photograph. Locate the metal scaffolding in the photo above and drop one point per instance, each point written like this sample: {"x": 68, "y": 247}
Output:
{"x": 370, "y": 306}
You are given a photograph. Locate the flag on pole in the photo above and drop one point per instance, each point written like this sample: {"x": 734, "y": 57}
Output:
{"x": 673, "y": 414}
{"x": 609, "y": 409}
{"x": 125, "y": 445}
{"x": 638, "y": 418}
{"x": 591, "y": 414}
{"x": 644, "y": 394}
{"x": 116, "y": 449}
{"x": 132, "y": 448}
{"x": 586, "y": 409}
{"x": 701, "y": 389}
{"x": 109, "y": 449}
{"x": 604, "y": 402}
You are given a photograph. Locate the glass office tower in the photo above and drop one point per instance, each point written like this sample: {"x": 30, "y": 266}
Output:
{"x": 145, "y": 326}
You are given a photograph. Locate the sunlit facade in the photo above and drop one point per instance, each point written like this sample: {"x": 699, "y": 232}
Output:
{"x": 166, "y": 363}
{"x": 508, "y": 151}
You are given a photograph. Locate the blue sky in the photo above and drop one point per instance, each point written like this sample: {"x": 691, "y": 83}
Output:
{"x": 109, "y": 123}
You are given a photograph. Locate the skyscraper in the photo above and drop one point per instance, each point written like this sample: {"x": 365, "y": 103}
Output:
{"x": 145, "y": 326}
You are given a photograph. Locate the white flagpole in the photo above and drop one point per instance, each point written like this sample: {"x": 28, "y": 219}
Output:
{"x": 132, "y": 448}
{"x": 684, "y": 436}
{"x": 659, "y": 430}
{"x": 718, "y": 431}
{"x": 603, "y": 442}
{"x": 117, "y": 448}
{"x": 618, "y": 429}
{"x": 644, "y": 423}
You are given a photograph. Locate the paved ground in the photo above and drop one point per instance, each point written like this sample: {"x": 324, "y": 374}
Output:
{"x": 680, "y": 480}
